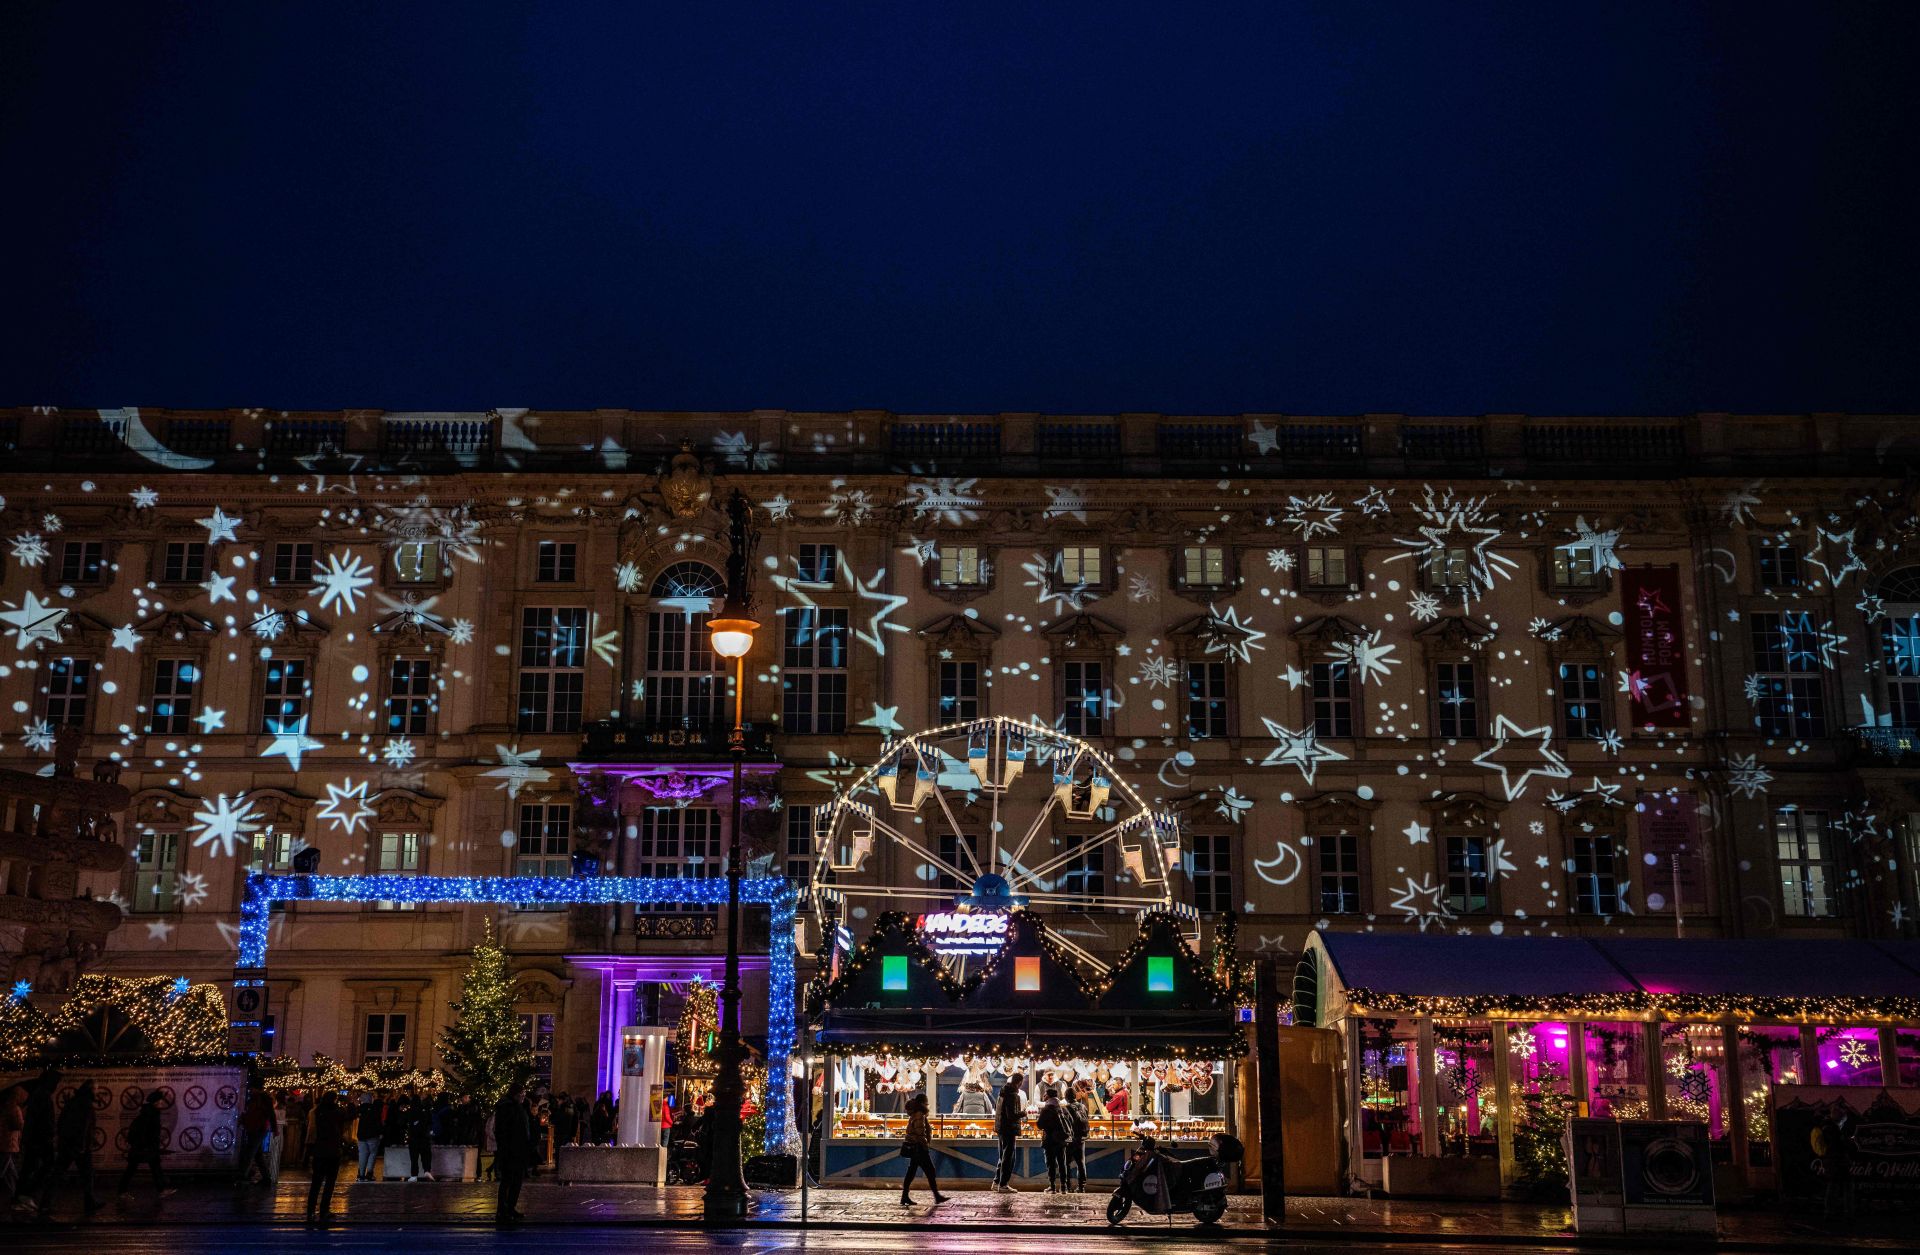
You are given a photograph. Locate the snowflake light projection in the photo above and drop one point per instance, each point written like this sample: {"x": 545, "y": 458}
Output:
{"x": 1423, "y": 902}
{"x": 946, "y": 500}
{"x": 223, "y": 825}
{"x": 346, "y": 806}
{"x": 38, "y": 736}
{"x": 29, "y": 549}
{"x": 144, "y": 498}
{"x": 1366, "y": 655}
{"x": 1804, "y": 643}
{"x": 1454, "y": 545}
{"x": 517, "y": 769}
{"x": 1424, "y": 607}
{"x": 1280, "y": 559}
{"x": 1746, "y": 777}
{"x": 878, "y": 623}
{"x": 1042, "y": 575}
{"x": 1313, "y": 516}
{"x": 1597, "y": 545}
{"x": 1228, "y": 633}
{"x": 1067, "y": 501}
{"x": 1158, "y": 672}
{"x": 851, "y": 506}
{"x": 342, "y": 581}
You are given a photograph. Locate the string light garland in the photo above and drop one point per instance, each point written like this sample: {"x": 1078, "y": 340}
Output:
{"x": 183, "y": 1023}
{"x": 1638, "y": 1005}
{"x": 773, "y": 892}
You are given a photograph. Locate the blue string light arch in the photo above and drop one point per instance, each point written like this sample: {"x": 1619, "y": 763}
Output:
{"x": 774, "y": 892}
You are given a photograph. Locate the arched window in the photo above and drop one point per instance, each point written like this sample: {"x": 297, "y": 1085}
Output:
{"x": 682, "y": 682}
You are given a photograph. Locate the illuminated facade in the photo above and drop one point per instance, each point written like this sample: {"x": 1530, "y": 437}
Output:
{"x": 1502, "y": 674}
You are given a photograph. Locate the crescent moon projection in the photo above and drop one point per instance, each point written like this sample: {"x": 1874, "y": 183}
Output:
{"x": 1287, "y": 859}
{"x": 136, "y": 437}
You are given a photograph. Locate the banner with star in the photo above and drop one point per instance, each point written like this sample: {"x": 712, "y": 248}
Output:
{"x": 1656, "y": 647}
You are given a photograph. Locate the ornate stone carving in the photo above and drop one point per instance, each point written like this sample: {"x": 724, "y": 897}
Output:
{"x": 685, "y": 485}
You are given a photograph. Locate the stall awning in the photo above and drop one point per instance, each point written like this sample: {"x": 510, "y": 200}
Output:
{"x": 1765, "y": 978}
{"x": 1117, "y": 1034}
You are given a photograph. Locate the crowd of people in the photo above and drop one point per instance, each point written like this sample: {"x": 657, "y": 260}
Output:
{"x": 43, "y": 1141}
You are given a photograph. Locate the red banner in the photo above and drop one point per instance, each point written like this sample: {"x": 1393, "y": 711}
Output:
{"x": 1656, "y": 647}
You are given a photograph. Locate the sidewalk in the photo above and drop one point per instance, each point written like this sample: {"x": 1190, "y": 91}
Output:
{"x": 548, "y": 1203}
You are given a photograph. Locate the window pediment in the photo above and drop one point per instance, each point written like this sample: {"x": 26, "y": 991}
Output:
{"x": 1083, "y": 633}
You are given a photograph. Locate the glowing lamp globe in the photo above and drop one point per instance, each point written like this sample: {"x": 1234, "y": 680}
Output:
{"x": 732, "y": 638}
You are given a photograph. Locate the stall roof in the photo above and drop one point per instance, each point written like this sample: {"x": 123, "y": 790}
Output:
{"x": 1523, "y": 967}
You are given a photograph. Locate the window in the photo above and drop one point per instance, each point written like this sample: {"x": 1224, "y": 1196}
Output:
{"x": 1779, "y": 565}
{"x": 1078, "y": 564}
{"x": 819, "y": 564}
{"x": 1332, "y": 699}
{"x": 293, "y": 562}
{"x": 1806, "y": 871}
{"x": 815, "y": 675}
{"x": 546, "y": 842}
{"x": 1339, "y": 873}
{"x": 1206, "y": 700}
{"x": 1575, "y": 569}
{"x": 1582, "y": 693}
{"x": 410, "y": 698}
{"x": 156, "y": 873}
{"x": 175, "y": 685}
{"x": 555, "y": 563}
{"x": 1326, "y": 566}
{"x": 69, "y": 686}
{"x": 1788, "y": 691}
{"x": 1467, "y": 882}
{"x": 1203, "y": 566}
{"x": 536, "y": 1034}
{"x": 800, "y": 844}
{"x": 959, "y": 691}
{"x": 273, "y": 850}
{"x": 676, "y": 841}
{"x": 397, "y": 853}
{"x": 1900, "y": 649}
{"x": 1084, "y": 872}
{"x": 386, "y": 1036}
{"x": 184, "y": 562}
{"x": 1456, "y": 702}
{"x": 964, "y": 861}
{"x": 961, "y": 567}
{"x": 1084, "y": 698}
{"x": 284, "y": 699}
{"x": 1596, "y": 875}
{"x": 1450, "y": 570}
{"x": 683, "y": 676}
{"x": 416, "y": 562}
{"x": 553, "y": 668}
{"x": 1210, "y": 869}
{"x": 83, "y": 562}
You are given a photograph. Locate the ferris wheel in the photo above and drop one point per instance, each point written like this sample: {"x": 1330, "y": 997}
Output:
{"x": 992, "y": 812}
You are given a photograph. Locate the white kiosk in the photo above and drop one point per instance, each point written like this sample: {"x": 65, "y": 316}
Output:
{"x": 643, "y": 1066}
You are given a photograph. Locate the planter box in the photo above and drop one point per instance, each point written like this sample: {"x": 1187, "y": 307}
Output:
{"x": 638, "y": 1165}
{"x": 397, "y": 1163}
{"x": 1419, "y": 1176}
{"x": 456, "y": 1163}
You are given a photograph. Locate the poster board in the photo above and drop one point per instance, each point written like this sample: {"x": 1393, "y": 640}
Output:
{"x": 1884, "y": 1125}
{"x": 1593, "y": 1174}
{"x": 1666, "y": 1175}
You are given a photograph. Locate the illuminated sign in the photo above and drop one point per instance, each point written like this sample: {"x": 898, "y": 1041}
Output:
{"x": 964, "y": 934}
{"x": 893, "y": 972}
{"x": 1160, "y": 974}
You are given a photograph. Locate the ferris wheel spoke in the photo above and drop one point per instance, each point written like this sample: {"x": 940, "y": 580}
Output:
{"x": 1078, "y": 951}
{"x": 1095, "y": 899}
{"x": 960, "y": 838}
{"x": 1080, "y": 848}
{"x": 1033, "y": 830}
{"x": 938, "y": 863}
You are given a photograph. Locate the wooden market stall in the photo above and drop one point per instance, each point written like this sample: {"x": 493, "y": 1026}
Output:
{"x": 1152, "y": 1039}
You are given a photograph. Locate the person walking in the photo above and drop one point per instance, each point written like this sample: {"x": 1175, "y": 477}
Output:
{"x": 1834, "y": 1142}
{"x": 13, "y": 1128}
{"x": 143, "y": 1146}
{"x": 256, "y": 1133}
{"x": 1055, "y": 1133}
{"x": 329, "y": 1130}
{"x": 566, "y": 1121}
{"x": 73, "y": 1147}
{"x": 600, "y": 1123}
{"x": 513, "y": 1143}
{"x": 37, "y": 1138}
{"x": 1006, "y": 1126}
{"x": 917, "y": 1149}
{"x": 366, "y": 1133}
{"x": 420, "y": 1141}
{"x": 1079, "y": 1125}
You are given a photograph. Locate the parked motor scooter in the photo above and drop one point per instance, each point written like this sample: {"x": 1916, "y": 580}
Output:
{"x": 1162, "y": 1185}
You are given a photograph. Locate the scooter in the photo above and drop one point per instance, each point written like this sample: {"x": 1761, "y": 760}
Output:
{"x": 1162, "y": 1185}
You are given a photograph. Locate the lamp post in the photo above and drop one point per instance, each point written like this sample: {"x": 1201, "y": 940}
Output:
{"x": 732, "y": 637}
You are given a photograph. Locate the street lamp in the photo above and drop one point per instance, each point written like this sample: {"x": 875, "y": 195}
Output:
{"x": 731, "y": 634}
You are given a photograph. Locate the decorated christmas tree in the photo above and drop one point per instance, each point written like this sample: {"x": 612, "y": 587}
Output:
{"x": 485, "y": 1049}
{"x": 1541, "y": 1119}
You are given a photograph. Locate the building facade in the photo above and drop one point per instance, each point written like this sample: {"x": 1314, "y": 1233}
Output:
{"x": 1503, "y": 674}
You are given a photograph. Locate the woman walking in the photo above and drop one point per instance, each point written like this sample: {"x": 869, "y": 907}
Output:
{"x": 916, "y": 1149}
{"x": 1055, "y": 1133}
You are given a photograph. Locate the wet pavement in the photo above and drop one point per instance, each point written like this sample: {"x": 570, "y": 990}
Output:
{"x": 554, "y": 1210}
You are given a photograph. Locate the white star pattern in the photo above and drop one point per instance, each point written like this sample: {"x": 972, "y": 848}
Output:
{"x": 346, "y": 806}
{"x": 1157, "y": 672}
{"x": 1746, "y": 777}
{"x": 517, "y": 769}
{"x": 344, "y": 580}
{"x": 290, "y": 740}
{"x": 144, "y": 498}
{"x": 219, "y": 588}
{"x": 1423, "y": 902}
{"x": 1598, "y": 545}
{"x": 29, "y": 549}
{"x": 38, "y": 736}
{"x": 220, "y": 823}
{"x": 461, "y": 633}
{"x": 397, "y": 752}
{"x": 1366, "y": 655}
{"x": 1532, "y": 747}
{"x": 1417, "y": 833}
{"x": 1227, "y": 633}
{"x": 1302, "y": 749}
{"x": 219, "y": 526}
{"x": 126, "y": 638}
{"x": 1314, "y": 516}
{"x": 210, "y": 720}
{"x": 884, "y": 718}
{"x": 33, "y": 620}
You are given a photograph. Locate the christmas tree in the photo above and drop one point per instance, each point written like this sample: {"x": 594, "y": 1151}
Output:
{"x": 485, "y": 1049}
{"x": 1542, "y": 1118}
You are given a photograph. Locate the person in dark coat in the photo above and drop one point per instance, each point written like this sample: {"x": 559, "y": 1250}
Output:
{"x": 1835, "y": 1143}
{"x": 366, "y": 1132}
{"x": 600, "y": 1124}
{"x": 1006, "y": 1126}
{"x": 73, "y": 1147}
{"x": 143, "y": 1145}
{"x": 513, "y": 1152}
{"x": 329, "y": 1131}
{"x": 1055, "y": 1132}
{"x": 1080, "y": 1119}
{"x": 566, "y": 1121}
{"x": 37, "y": 1133}
{"x": 256, "y": 1131}
{"x": 420, "y": 1141}
{"x": 917, "y": 1149}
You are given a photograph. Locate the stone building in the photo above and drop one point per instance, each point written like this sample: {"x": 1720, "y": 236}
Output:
{"x": 1503, "y": 674}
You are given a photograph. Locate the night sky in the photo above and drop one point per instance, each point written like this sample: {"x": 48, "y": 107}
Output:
{"x": 1444, "y": 208}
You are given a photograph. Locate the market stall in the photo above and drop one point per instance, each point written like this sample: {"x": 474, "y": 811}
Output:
{"x": 1147, "y": 1044}
{"x": 1465, "y": 1055}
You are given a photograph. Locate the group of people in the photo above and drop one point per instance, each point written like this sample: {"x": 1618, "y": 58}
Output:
{"x": 1064, "y": 1122}
{"x": 41, "y": 1139}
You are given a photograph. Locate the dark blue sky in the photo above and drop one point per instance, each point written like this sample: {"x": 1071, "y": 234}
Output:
{"x": 1435, "y": 208}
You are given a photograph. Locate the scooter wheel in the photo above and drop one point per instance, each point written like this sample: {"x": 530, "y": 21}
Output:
{"x": 1117, "y": 1207}
{"x": 1209, "y": 1210}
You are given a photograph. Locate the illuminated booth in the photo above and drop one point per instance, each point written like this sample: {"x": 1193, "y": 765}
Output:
{"x": 1151, "y": 1038}
{"x": 1463, "y": 1056}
